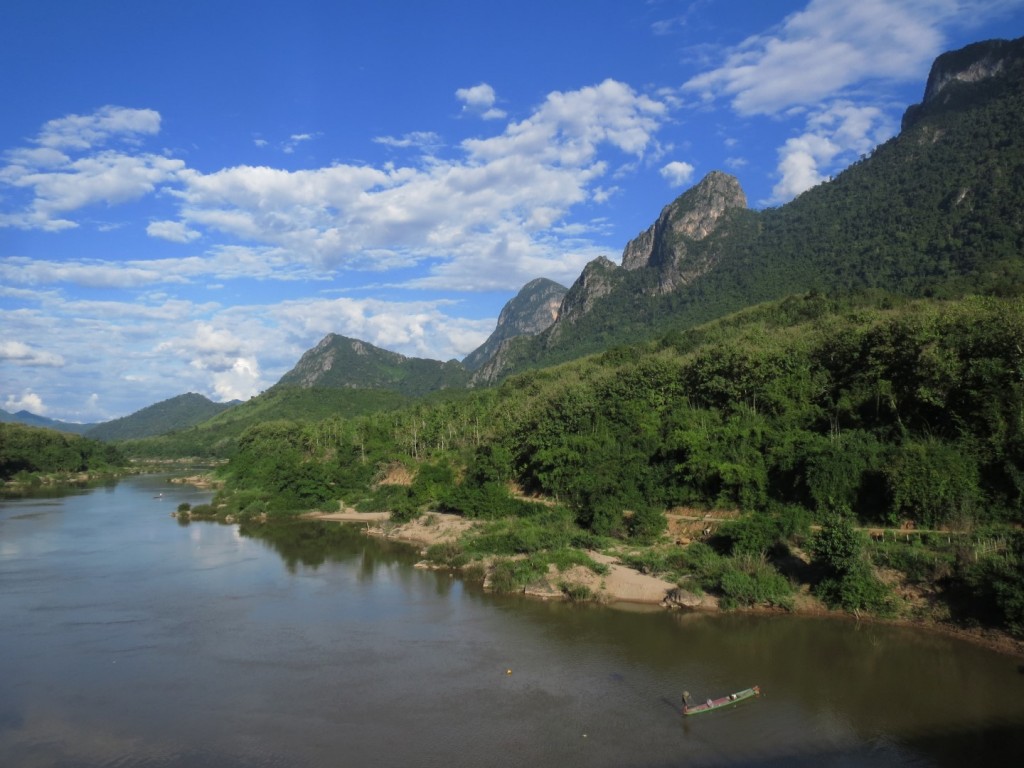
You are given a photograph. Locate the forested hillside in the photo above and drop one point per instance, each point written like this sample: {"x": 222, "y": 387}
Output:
{"x": 217, "y": 437}
{"x": 887, "y": 413}
{"x": 26, "y": 451}
{"x": 936, "y": 211}
{"x": 174, "y": 414}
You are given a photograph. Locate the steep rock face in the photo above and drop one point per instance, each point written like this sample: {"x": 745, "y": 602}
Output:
{"x": 970, "y": 65}
{"x": 689, "y": 219}
{"x": 599, "y": 278}
{"x": 530, "y": 312}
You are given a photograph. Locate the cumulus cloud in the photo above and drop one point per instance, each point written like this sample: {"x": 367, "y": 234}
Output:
{"x": 828, "y": 65}
{"x": 59, "y": 186}
{"x": 834, "y": 136}
{"x": 677, "y": 173}
{"x": 511, "y": 187}
{"x": 26, "y": 401}
{"x": 480, "y": 100}
{"x": 239, "y": 382}
{"x": 509, "y": 190}
{"x": 87, "y": 131}
{"x": 20, "y": 353}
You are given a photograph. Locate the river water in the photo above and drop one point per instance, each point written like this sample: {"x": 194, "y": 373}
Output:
{"x": 128, "y": 639}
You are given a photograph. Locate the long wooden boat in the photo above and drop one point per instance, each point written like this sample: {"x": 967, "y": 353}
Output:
{"x": 724, "y": 701}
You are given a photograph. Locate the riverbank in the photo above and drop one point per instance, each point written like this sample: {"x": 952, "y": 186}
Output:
{"x": 619, "y": 583}
{"x": 27, "y": 481}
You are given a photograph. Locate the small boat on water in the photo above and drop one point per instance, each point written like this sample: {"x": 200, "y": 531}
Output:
{"x": 724, "y": 701}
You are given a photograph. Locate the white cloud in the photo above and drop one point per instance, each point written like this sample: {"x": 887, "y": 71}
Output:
{"x": 677, "y": 173}
{"x": 295, "y": 140}
{"x": 834, "y": 136}
{"x": 94, "y": 274}
{"x": 20, "y": 353}
{"x": 27, "y": 401}
{"x": 417, "y": 139}
{"x": 480, "y": 99}
{"x": 108, "y": 176}
{"x": 87, "y": 131}
{"x": 175, "y": 231}
{"x": 507, "y": 193}
{"x": 240, "y": 382}
{"x": 829, "y": 46}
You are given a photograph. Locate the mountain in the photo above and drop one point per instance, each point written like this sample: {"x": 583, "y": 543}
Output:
{"x": 340, "y": 362}
{"x": 32, "y": 420}
{"x": 530, "y": 312}
{"x": 936, "y": 211}
{"x": 167, "y": 416}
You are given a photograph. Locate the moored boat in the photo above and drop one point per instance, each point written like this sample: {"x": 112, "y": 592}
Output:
{"x": 724, "y": 701}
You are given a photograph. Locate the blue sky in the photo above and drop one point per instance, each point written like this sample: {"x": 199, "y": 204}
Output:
{"x": 192, "y": 194}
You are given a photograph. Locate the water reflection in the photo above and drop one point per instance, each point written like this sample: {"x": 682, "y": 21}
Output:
{"x": 312, "y": 544}
{"x": 131, "y": 641}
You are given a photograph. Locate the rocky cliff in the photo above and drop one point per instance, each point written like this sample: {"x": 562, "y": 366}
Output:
{"x": 690, "y": 218}
{"x": 971, "y": 65}
{"x": 530, "y": 312}
{"x": 665, "y": 251}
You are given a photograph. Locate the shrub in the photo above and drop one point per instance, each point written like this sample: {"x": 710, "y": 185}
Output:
{"x": 508, "y": 576}
{"x": 857, "y": 589}
{"x": 748, "y": 581}
{"x": 577, "y": 593}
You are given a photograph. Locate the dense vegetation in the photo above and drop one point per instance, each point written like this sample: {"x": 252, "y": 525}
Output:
{"x": 174, "y": 414}
{"x": 936, "y": 211}
{"x": 26, "y": 452}
{"x": 217, "y": 438}
{"x": 812, "y": 410}
{"x": 864, "y": 443}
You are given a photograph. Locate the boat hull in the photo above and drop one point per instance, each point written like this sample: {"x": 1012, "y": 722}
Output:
{"x": 712, "y": 704}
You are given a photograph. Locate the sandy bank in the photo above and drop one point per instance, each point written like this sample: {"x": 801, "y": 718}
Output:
{"x": 619, "y": 584}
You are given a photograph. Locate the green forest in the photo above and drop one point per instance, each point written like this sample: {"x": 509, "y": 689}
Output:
{"x": 816, "y": 419}
{"x": 841, "y": 392}
{"x": 28, "y": 452}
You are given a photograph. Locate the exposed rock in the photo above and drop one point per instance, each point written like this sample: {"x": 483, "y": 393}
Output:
{"x": 599, "y": 278}
{"x": 971, "y": 64}
{"x": 690, "y": 218}
{"x": 530, "y": 312}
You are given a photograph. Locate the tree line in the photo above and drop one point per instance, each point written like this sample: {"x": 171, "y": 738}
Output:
{"x": 812, "y": 410}
{"x": 26, "y": 451}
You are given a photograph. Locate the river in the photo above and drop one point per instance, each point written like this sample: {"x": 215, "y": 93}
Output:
{"x": 129, "y": 639}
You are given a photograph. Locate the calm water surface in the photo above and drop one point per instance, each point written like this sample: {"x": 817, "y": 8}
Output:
{"x": 128, "y": 639}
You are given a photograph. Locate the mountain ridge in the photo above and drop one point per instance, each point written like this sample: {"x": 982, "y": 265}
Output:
{"x": 934, "y": 211}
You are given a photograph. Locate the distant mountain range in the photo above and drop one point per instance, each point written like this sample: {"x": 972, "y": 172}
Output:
{"x": 25, "y": 417}
{"x": 936, "y": 211}
{"x": 169, "y": 415}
